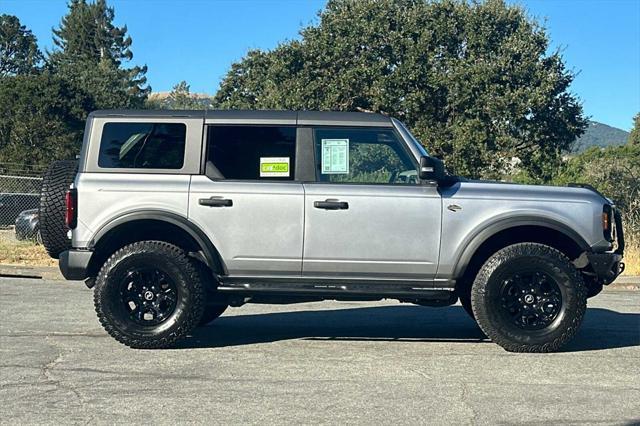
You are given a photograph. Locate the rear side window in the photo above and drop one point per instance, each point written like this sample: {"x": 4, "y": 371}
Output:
{"x": 142, "y": 145}
{"x": 251, "y": 152}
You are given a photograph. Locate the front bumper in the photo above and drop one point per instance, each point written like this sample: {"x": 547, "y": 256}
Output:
{"x": 74, "y": 264}
{"x": 607, "y": 266}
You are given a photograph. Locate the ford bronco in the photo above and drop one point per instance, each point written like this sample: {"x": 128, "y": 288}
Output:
{"x": 172, "y": 216}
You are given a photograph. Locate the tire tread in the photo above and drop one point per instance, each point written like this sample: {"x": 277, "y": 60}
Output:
{"x": 195, "y": 310}
{"x": 552, "y": 256}
{"x": 55, "y": 183}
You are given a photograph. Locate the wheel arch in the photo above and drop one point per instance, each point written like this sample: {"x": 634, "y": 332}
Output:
{"x": 509, "y": 231}
{"x": 152, "y": 225}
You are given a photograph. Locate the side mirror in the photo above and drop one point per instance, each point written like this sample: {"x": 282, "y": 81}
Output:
{"x": 431, "y": 169}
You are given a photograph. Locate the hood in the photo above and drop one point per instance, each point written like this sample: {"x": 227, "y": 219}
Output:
{"x": 505, "y": 190}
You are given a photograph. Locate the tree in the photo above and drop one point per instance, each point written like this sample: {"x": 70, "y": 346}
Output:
{"x": 634, "y": 136}
{"x": 472, "y": 80}
{"x": 614, "y": 171}
{"x": 90, "y": 53}
{"x": 87, "y": 32}
{"x": 19, "y": 53}
{"x": 41, "y": 119}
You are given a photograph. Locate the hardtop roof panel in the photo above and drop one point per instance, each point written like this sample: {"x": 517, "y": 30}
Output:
{"x": 291, "y": 118}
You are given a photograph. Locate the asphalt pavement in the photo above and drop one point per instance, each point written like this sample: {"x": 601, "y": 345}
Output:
{"x": 329, "y": 362}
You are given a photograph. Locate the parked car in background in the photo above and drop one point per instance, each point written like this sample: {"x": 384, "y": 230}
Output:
{"x": 11, "y": 205}
{"x": 28, "y": 226}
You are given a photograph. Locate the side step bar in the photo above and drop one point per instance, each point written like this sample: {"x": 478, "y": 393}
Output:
{"x": 331, "y": 287}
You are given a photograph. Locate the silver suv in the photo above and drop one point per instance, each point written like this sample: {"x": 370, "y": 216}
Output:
{"x": 173, "y": 216}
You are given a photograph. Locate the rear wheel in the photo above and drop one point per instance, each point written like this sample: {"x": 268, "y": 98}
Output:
{"x": 55, "y": 184}
{"x": 529, "y": 298}
{"x": 149, "y": 295}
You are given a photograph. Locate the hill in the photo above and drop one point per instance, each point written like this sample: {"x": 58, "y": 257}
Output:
{"x": 599, "y": 134}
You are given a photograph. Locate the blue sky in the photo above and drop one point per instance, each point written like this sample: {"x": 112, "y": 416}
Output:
{"x": 197, "y": 40}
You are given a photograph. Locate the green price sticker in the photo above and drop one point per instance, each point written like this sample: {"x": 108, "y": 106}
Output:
{"x": 274, "y": 166}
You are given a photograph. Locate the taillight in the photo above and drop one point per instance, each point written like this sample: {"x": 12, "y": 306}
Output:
{"x": 71, "y": 216}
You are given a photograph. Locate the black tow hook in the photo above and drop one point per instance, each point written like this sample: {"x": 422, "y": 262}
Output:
{"x": 621, "y": 267}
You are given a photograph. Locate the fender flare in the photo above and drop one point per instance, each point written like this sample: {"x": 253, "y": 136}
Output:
{"x": 481, "y": 236}
{"x": 211, "y": 254}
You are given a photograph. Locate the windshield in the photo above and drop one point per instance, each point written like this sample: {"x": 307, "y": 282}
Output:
{"x": 406, "y": 134}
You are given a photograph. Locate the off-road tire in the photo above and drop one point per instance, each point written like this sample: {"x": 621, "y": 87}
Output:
{"x": 55, "y": 184}
{"x": 465, "y": 301}
{"x": 512, "y": 259}
{"x": 173, "y": 262}
{"x": 214, "y": 305}
{"x": 212, "y": 312}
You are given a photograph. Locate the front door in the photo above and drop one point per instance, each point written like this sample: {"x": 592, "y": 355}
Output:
{"x": 248, "y": 203}
{"x": 368, "y": 215}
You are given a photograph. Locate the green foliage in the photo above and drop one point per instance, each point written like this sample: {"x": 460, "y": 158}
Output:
{"x": 109, "y": 86}
{"x": 599, "y": 135}
{"x": 41, "y": 119}
{"x": 90, "y": 55}
{"x": 19, "y": 53}
{"x": 472, "y": 80}
{"x": 634, "y": 136}
{"x": 87, "y": 32}
{"x": 614, "y": 171}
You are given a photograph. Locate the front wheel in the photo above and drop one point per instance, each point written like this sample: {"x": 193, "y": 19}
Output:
{"x": 529, "y": 298}
{"x": 149, "y": 294}
{"x": 211, "y": 313}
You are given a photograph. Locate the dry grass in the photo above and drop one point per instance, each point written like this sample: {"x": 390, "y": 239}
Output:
{"x": 25, "y": 253}
{"x": 632, "y": 258}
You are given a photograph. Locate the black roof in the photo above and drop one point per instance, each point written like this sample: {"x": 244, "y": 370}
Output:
{"x": 260, "y": 116}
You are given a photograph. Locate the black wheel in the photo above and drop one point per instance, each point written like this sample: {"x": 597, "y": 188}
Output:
{"x": 55, "y": 184}
{"x": 529, "y": 298}
{"x": 211, "y": 312}
{"x": 149, "y": 295}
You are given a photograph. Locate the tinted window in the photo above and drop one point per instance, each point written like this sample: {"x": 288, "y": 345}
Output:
{"x": 142, "y": 145}
{"x": 252, "y": 152}
{"x": 362, "y": 156}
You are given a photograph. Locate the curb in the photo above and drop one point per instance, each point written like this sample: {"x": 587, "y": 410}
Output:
{"x": 625, "y": 282}
{"x": 34, "y": 272}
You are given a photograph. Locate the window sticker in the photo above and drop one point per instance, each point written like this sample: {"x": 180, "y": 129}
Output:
{"x": 274, "y": 166}
{"x": 335, "y": 156}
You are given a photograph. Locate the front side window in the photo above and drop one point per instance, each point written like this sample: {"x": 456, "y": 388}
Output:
{"x": 142, "y": 145}
{"x": 371, "y": 156}
{"x": 252, "y": 152}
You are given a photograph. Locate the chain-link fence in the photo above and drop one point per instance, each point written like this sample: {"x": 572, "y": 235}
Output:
{"x": 19, "y": 191}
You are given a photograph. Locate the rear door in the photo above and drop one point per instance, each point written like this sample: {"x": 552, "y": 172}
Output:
{"x": 248, "y": 201}
{"x": 367, "y": 215}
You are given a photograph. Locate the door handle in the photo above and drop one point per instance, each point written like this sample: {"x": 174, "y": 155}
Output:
{"x": 215, "y": 202}
{"x": 331, "y": 205}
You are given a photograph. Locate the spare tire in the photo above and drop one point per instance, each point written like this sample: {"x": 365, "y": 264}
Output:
{"x": 55, "y": 184}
